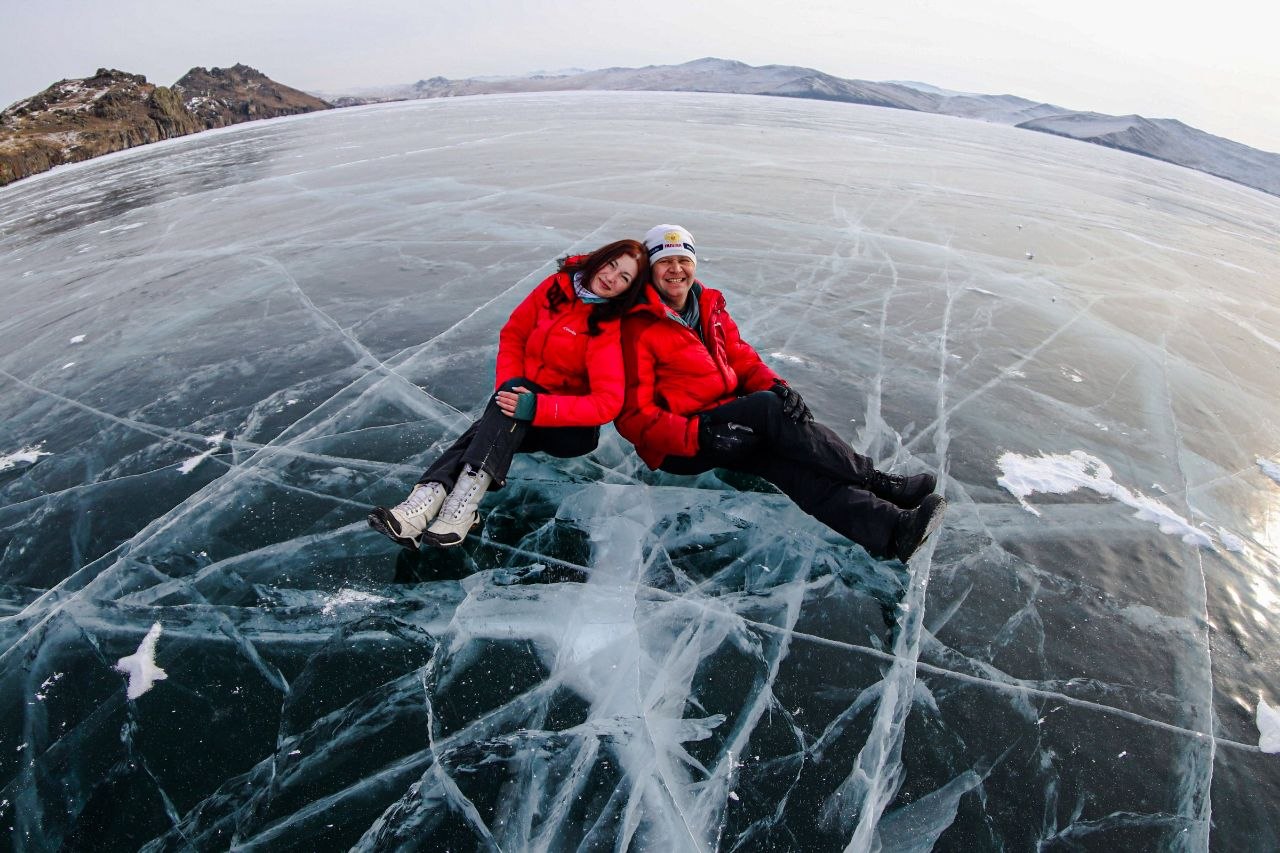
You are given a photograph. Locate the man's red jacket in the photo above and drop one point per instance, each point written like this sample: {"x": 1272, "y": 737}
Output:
{"x": 672, "y": 375}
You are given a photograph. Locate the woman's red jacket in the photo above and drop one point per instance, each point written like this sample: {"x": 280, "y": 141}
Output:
{"x": 583, "y": 374}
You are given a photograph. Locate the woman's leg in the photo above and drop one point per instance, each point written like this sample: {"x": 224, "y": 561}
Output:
{"x": 487, "y": 444}
{"x": 497, "y": 437}
{"x": 561, "y": 442}
{"x": 483, "y": 464}
{"x": 447, "y": 465}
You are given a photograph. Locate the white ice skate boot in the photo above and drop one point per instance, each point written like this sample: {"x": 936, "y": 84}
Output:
{"x": 405, "y": 522}
{"x": 459, "y": 515}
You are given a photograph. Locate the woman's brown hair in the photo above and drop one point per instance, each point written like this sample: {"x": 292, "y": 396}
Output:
{"x": 591, "y": 264}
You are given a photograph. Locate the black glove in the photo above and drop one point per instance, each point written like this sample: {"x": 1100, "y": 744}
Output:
{"x": 725, "y": 438}
{"x": 793, "y": 407}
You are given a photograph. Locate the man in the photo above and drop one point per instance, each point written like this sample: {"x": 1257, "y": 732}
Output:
{"x": 699, "y": 397}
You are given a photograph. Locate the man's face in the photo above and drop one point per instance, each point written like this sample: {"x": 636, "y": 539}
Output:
{"x": 673, "y": 276}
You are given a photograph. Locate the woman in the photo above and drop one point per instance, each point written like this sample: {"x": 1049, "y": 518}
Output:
{"x": 559, "y": 377}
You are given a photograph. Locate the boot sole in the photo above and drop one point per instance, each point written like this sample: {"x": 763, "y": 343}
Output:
{"x": 935, "y": 521}
{"x": 383, "y": 525}
{"x": 450, "y": 540}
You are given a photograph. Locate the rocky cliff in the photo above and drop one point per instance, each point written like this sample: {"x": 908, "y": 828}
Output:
{"x": 75, "y": 120}
{"x": 221, "y": 96}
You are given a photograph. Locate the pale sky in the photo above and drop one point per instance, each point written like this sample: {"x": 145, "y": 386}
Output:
{"x": 1215, "y": 66}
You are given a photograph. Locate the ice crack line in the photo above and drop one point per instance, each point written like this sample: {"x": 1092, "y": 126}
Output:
{"x": 1015, "y": 686}
{"x": 1195, "y": 790}
{"x": 354, "y": 343}
{"x": 1004, "y": 374}
{"x": 877, "y": 772}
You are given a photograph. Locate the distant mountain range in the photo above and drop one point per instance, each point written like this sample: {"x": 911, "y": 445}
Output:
{"x": 75, "y": 120}
{"x": 1161, "y": 139}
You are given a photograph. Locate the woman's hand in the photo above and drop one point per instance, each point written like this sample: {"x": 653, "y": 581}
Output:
{"x": 507, "y": 400}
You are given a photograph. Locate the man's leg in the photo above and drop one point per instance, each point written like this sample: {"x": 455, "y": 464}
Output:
{"x": 811, "y": 465}
{"x": 853, "y": 512}
{"x": 819, "y": 449}
{"x": 810, "y": 444}
{"x": 848, "y": 510}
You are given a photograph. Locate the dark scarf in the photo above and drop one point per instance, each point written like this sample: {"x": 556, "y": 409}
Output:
{"x": 691, "y": 316}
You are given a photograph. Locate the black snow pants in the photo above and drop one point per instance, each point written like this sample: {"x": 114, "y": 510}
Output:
{"x": 808, "y": 463}
{"x": 492, "y": 442}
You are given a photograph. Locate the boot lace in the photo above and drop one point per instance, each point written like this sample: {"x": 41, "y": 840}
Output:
{"x": 882, "y": 480}
{"x": 418, "y": 499}
{"x": 459, "y": 500}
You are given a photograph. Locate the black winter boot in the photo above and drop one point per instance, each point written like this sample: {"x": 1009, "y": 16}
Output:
{"x": 915, "y": 525}
{"x": 902, "y": 492}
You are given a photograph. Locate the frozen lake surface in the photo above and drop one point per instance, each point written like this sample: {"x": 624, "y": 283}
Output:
{"x": 216, "y": 353}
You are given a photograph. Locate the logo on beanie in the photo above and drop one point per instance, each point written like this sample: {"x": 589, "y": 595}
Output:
{"x": 673, "y": 237}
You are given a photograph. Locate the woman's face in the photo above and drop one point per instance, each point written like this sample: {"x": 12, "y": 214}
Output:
{"x": 615, "y": 277}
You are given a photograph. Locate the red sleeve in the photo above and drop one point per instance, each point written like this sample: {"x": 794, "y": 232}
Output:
{"x": 753, "y": 373}
{"x": 605, "y": 377}
{"x": 654, "y": 431}
{"x": 512, "y": 338}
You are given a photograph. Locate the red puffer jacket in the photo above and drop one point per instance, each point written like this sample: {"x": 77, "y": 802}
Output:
{"x": 672, "y": 375}
{"x": 583, "y": 374}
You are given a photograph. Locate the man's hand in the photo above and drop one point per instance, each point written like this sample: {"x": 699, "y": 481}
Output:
{"x": 729, "y": 439}
{"x": 793, "y": 407}
{"x": 519, "y": 403}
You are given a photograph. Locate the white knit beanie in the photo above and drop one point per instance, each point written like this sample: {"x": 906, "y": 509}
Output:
{"x": 665, "y": 240}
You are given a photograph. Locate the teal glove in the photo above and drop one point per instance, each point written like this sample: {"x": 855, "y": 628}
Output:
{"x": 526, "y": 405}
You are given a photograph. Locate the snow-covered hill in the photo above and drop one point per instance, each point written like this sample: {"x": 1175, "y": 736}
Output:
{"x": 1163, "y": 139}
{"x": 1172, "y": 141}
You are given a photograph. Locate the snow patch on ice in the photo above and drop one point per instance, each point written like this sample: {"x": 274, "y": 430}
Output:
{"x": 1061, "y": 474}
{"x": 78, "y": 339}
{"x": 43, "y": 692}
{"x": 191, "y": 464}
{"x": 1271, "y": 469}
{"x": 68, "y": 364}
{"x": 129, "y": 227}
{"x": 1230, "y": 541}
{"x": 347, "y": 597}
{"x": 26, "y": 455}
{"x": 141, "y": 665}
{"x": 788, "y": 357}
{"x": 1268, "y": 727}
